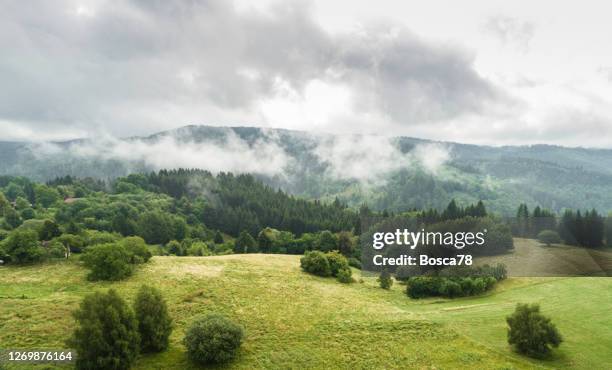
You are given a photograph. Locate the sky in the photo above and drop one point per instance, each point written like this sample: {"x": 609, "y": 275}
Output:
{"x": 476, "y": 71}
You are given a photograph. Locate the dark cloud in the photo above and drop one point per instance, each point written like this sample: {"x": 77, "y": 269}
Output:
{"x": 133, "y": 66}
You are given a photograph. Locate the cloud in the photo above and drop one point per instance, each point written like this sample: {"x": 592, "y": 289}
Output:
{"x": 371, "y": 158}
{"x": 135, "y": 67}
{"x": 511, "y": 31}
{"x": 228, "y": 154}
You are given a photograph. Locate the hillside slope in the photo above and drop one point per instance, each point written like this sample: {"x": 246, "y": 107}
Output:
{"x": 294, "y": 320}
{"x": 395, "y": 173}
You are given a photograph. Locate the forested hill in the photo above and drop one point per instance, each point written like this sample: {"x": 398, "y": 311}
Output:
{"x": 387, "y": 173}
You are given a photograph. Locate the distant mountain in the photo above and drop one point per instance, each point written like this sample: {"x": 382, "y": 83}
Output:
{"x": 396, "y": 173}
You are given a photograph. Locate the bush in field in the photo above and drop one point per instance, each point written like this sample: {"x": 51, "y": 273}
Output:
{"x": 384, "y": 280}
{"x": 137, "y": 247}
{"x": 245, "y": 243}
{"x": 354, "y": 262}
{"x": 213, "y": 339}
{"x": 175, "y": 248}
{"x": 106, "y": 336}
{"x": 316, "y": 263}
{"x": 549, "y": 237}
{"x": 337, "y": 262}
{"x": 56, "y": 249}
{"x": 530, "y": 332}
{"x": 344, "y": 275}
{"x": 198, "y": 249}
{"x": 22, "y": 247}
{"x": 108, "y": 262}
{"x": 423, "y": 286}
{"x": 154, "y": 322}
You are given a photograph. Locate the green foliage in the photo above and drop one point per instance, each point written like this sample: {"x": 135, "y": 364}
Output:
{"x": 245, "y": 243}
{"x": 385, "y": 280}
{"x": 12, "y": 218}
{"x": 106, "y": 336}
{"x": 49, "y": 230}
{"x": 327, "y": 241}
{"x": 198, "y": 249}
{"x": 549, "y": 237}
{"x": 344, "y": 275}
{"x": 56, "y": 249}
{"x": 354, "y": 262}
{"x": 586, "y": 231}
{"x": 316, "y": 263}
{"x": 175, "y": 248}
{"x": 154, "y": 322}
{"x": 156, "y": 227}
{"x": 337, "y": 262}
{"x": 73, "y": 242}
{"x": 95, "y": 237}
{"x": 265, "y": 241}
{"x": 345, "y": 243}
{"x": 213, "y": 339}
{"x": 108, "y": 262}
{"x": 450, "y": 287}
{"x": 23, "y": 247}
{"x": 137, "y": 247}
{"x": 218, "y": 238}
{"x": 45, "y": 195}
{"x": 530, "y": 332}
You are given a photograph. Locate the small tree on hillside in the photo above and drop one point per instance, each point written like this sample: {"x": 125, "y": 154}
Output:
{"x": 213, "y": 339}
{"x": 245, "y": 243}
{"x": 385, "y": 279}
{"x": 549, "y": 237}
{"x": 264, "y": 241}
{"x": 108, "y": 262}
{"x": 106, "y": 336}
{"x": 22, "y": 246}
{"x": 154, "y": 322}
{"x": 345, "y": 243}
{"x": 49, "y": 230}
{"x": 531, "y": 332}
{"x": 218, "y": 238}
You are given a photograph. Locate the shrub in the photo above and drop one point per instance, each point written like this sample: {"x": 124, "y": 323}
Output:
{"x": 22, "y": 247}
{"x": 354, "y": 262}
{"x": 213, "y": 339}
{"x": 316, "y": 263}
{"x": 337, "y": 262}
{"x": 344, "y": 275}
{"x": 423, "y": 286}
{"x": 198, "y": 249}
{"x": 56, "y": 249}
{"x": 245, "y": 243}
{"x": 549, "y": 237}
{"x": 137, "y": 247}
{"x": 384, "y": 280}
{"x": 154, "y": 323}
{"x": 106, "y": 336}
{"x": 327, "y": 241}
{"x": 530, "y": 332}
{"x": 175, "y": 248}
{"x": 49, "y": 230}
{"x": 108, "y": 262}
{"x": 73, "y": 242}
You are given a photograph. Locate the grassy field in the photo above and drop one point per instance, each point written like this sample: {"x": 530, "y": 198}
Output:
{"x": 294, "y": 320}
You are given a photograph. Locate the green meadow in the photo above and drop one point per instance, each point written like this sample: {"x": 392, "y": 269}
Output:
{"x": 295, "y": 320}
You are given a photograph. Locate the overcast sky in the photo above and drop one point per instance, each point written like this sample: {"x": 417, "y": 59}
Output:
{"x": 475, "y": 71}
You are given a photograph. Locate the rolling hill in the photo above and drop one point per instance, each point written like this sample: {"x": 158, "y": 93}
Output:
{"x": 296, "y": 320}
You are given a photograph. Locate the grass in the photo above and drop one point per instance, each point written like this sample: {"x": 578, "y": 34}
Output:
{"x": 295, "y": 320}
